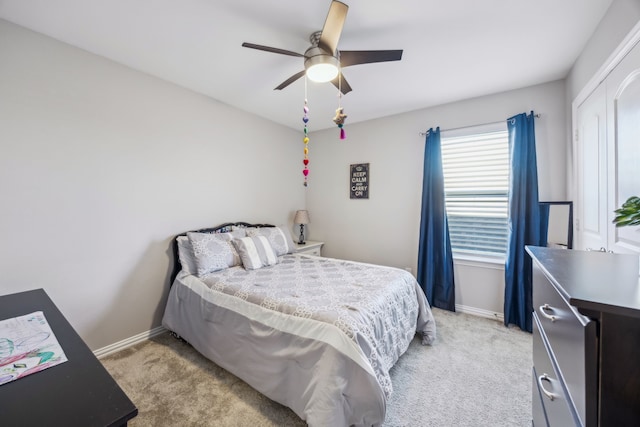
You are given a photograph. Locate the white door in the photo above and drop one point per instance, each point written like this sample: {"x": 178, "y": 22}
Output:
{"x": 623, "y": 134}
{"x": 591, "y": 172}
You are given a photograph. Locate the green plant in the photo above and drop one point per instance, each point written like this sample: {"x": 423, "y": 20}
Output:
{"x": 629, "y": 213}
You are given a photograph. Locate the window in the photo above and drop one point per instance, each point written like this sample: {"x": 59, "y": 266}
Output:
{"x": 475, "y": 163}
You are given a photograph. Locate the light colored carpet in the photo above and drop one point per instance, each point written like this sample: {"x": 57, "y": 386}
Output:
{"x": 477, "y": 373}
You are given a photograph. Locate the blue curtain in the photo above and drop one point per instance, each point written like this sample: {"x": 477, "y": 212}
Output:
{"x": 524, "y": 221}
{"x": 435, "y": 261}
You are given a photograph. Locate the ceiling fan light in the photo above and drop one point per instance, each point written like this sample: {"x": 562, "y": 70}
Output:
{"x": 320, "y": 66}
{"x": 322, "y": 72}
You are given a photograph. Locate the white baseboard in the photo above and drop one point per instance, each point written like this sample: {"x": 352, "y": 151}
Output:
{"x": 480, "y": 312}
{"x": 128, "y": 342}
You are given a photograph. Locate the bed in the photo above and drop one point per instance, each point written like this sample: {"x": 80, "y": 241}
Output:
{"x": 316, "y": 334}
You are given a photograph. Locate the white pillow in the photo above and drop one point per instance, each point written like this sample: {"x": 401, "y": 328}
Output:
{"x": 279, "y": 238}
{"x": 185, "y": 255}
{"x": 213, "y": 251}
{"x": 255, "y": 252}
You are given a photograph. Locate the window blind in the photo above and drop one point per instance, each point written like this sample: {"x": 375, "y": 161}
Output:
{"x": 476, "y": 184}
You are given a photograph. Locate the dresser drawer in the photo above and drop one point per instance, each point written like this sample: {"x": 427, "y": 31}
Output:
{"x": 565, "y": 331}
{"x": 537, "y": 407}
{"x": 556, "y": 405}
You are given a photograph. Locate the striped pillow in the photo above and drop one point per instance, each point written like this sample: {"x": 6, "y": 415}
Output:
{"x": 279, "y": 237}
{"x": 255, "y": 252}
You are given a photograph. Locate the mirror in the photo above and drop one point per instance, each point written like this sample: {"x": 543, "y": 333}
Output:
{"x": 556, "y": 224}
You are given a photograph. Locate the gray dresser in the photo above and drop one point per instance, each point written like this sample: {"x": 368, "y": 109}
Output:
{"x": 586, "y": 338}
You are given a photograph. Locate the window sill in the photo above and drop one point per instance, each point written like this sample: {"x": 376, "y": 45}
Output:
{"x": 479, "y": 261}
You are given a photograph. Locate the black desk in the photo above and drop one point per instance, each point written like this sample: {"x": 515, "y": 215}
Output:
{"x": 79, "y": 392}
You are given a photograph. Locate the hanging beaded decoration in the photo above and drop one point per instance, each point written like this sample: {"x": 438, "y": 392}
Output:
{"x": 340, "y": 116}
{"x": 305, "y": 120}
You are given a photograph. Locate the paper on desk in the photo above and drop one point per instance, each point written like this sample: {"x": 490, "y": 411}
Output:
{"x": 27, "y": 346}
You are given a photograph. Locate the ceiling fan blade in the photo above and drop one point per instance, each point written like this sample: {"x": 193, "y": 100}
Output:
{"x": 342, "y": 85}
{"x": 355, "y": 57}
{"x": 290, "y": 80}
{"x": 271, "y": 49}
{"x": 333, "y": 27}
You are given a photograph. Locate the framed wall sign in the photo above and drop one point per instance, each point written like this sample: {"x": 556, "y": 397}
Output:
{"x": 359, "y": 181}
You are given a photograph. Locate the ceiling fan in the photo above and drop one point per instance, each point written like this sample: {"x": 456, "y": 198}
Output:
{"x": 323, "y": 62}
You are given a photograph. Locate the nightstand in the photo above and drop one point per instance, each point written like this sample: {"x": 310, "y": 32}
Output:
{"x": 310, "y": 248}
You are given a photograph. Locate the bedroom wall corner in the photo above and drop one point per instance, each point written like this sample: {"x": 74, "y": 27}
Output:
{"x": 102, "y": 165}
{"x": 620, "y": 19}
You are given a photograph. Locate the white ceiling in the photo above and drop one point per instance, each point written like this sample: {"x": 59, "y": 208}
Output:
{"x": 453, "y": 49}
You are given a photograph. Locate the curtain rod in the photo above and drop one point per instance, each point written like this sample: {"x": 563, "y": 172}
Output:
{"x": 537, "y": 116}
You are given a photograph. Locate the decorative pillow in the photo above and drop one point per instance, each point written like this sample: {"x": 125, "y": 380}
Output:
{"x": 255, "y": 252}
{"x": 279, "y": 238}
{"x": 238, "y": 232}
{"x": 213, "y": 252}
{"x": 185, "y": 255}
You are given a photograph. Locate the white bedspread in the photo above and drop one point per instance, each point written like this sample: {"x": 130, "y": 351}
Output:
{"x": 318, "y": 335}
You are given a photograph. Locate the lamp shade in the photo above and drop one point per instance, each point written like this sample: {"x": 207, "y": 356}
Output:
{"x": 302, "y": 217}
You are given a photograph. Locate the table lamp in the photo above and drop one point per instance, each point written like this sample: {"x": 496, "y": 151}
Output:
{"x": 302, "y": 218}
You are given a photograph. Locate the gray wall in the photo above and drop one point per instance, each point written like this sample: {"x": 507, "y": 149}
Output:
{"x": 101, "y": 165}
{"x": 384, "y": 229}
{"x": 619, "y": 20}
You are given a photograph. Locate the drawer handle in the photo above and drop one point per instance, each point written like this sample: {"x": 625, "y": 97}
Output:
{"x": 545, "y": 377}
{"x": 544, "y": 313}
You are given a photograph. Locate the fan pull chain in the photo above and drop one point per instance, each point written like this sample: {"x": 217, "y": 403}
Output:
{"x": 340, "y": 116}
{"x": 305, "y": 119}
